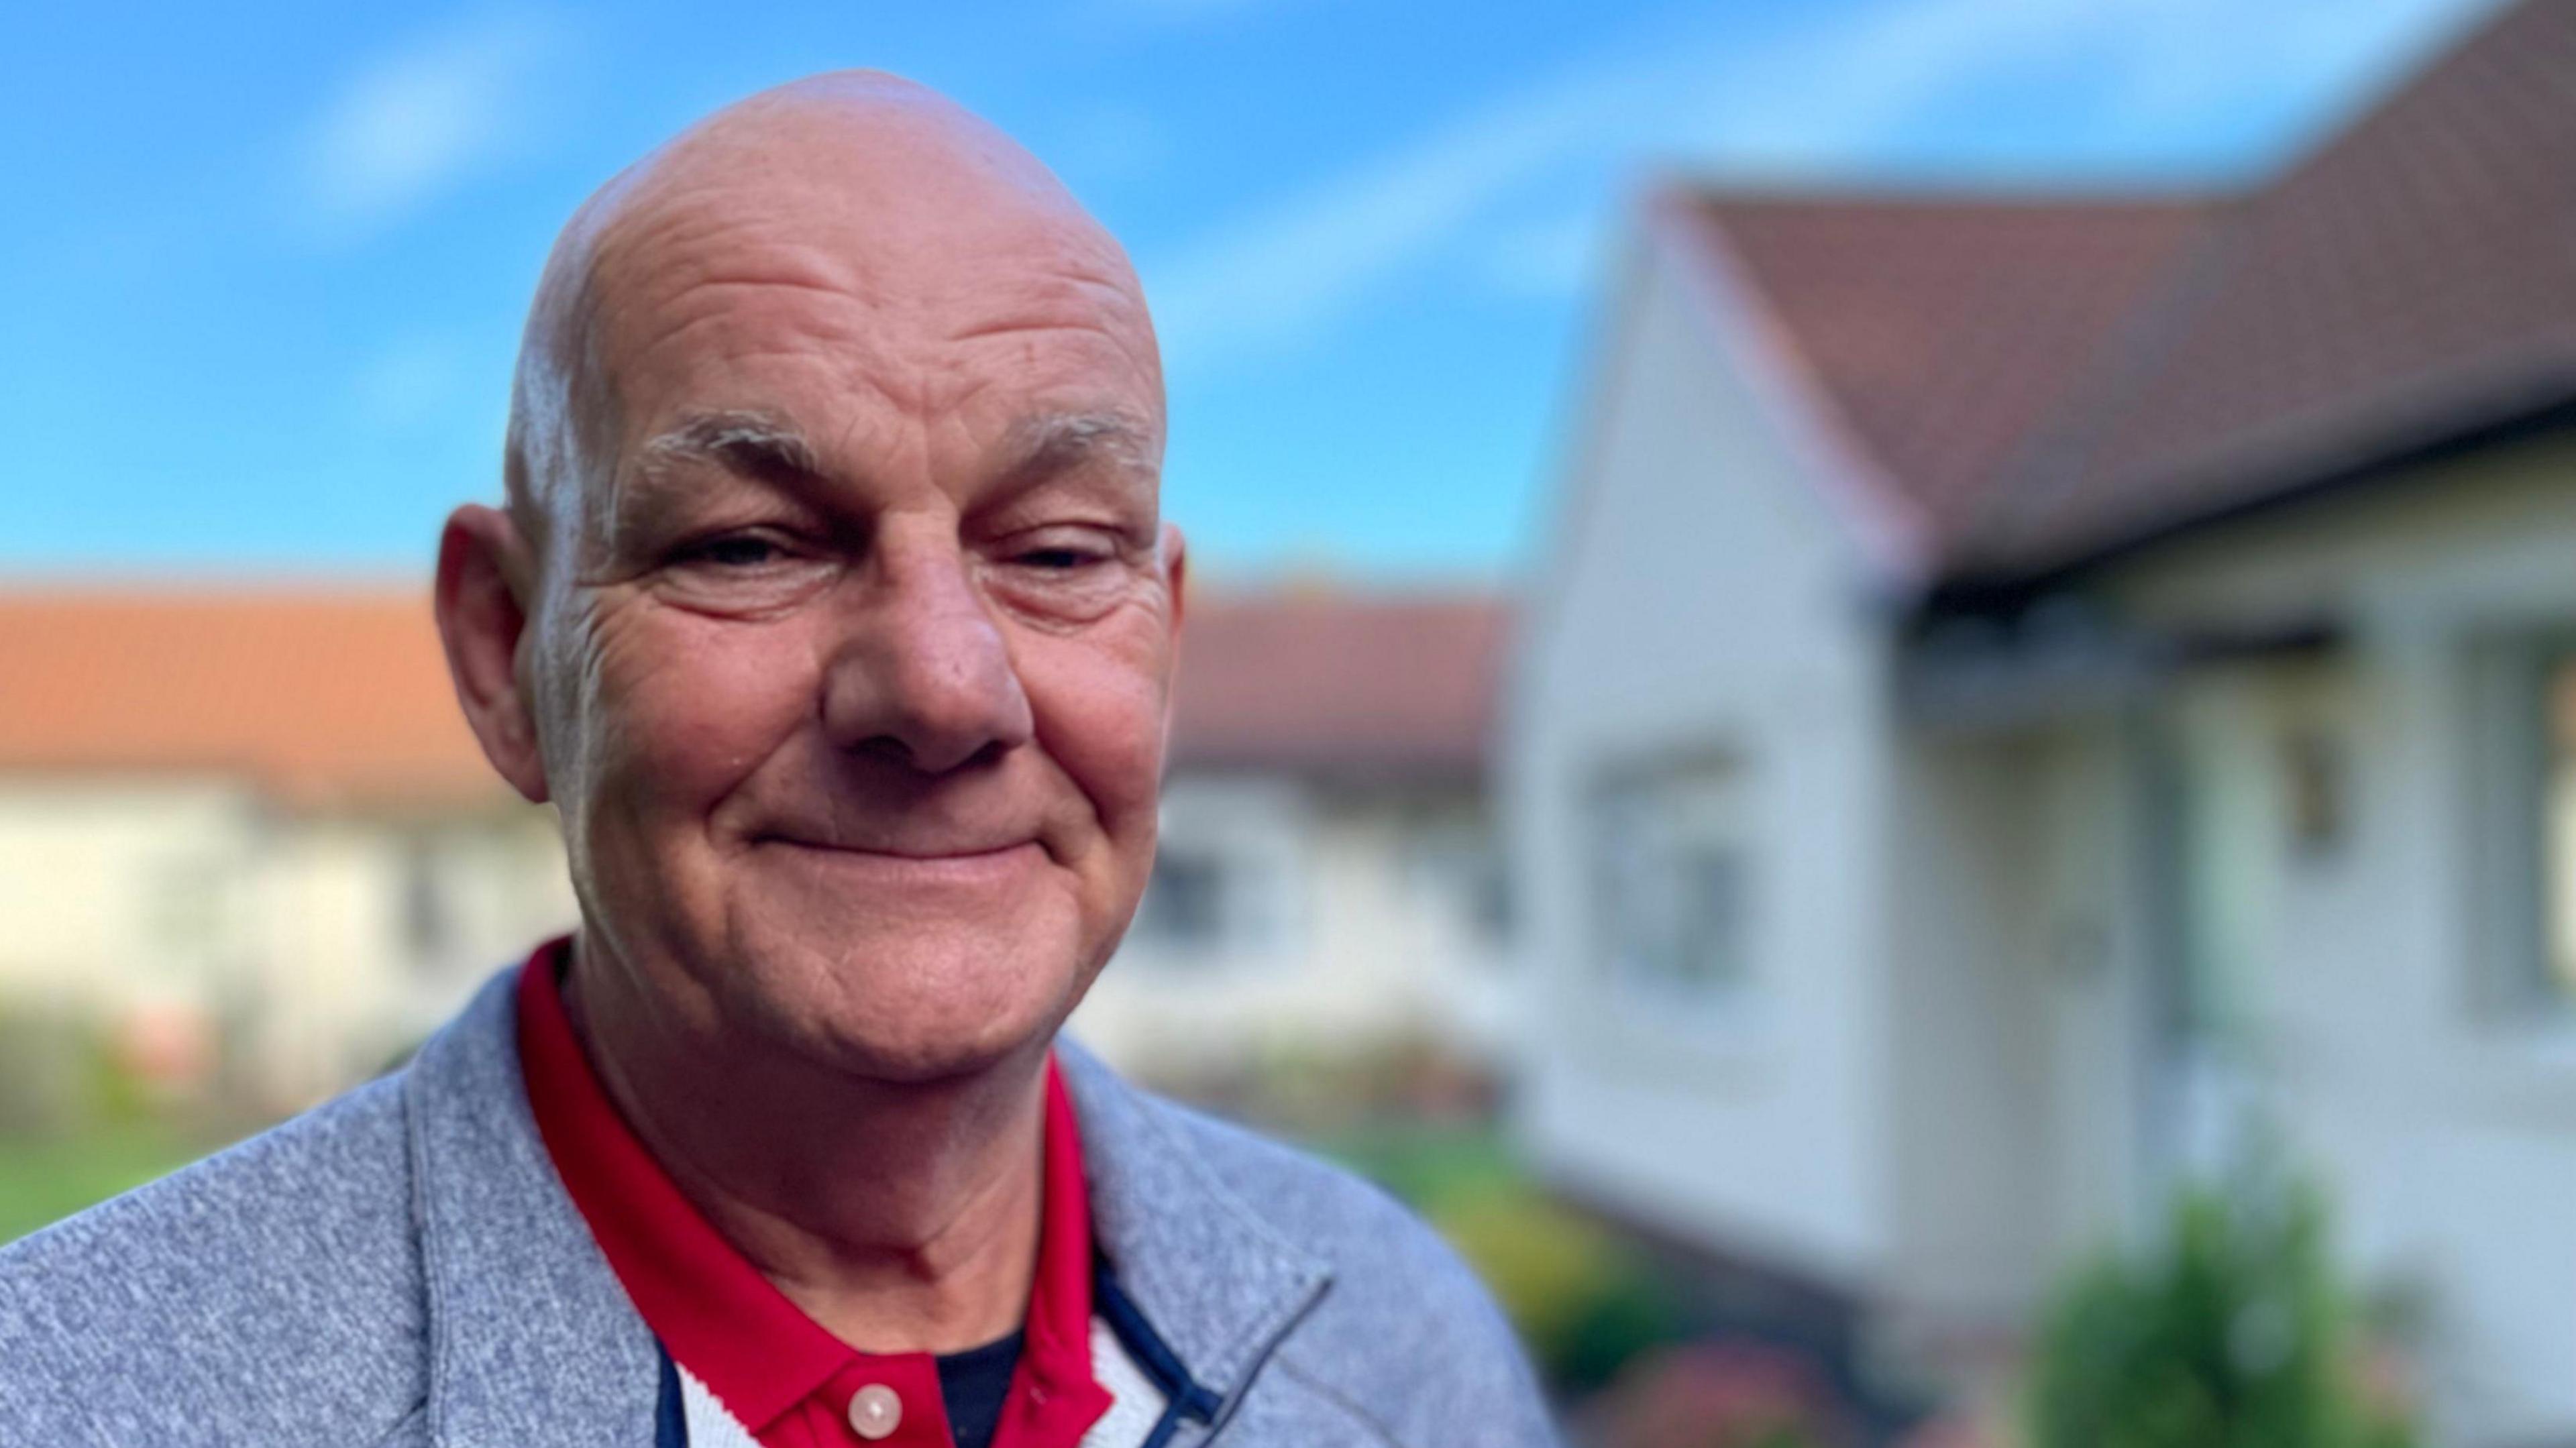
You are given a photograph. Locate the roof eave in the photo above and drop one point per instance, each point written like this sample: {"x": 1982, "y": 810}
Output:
{"x": 1891, "y": 529}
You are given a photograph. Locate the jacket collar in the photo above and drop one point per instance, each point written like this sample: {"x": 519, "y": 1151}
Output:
{"x": 532, "y": 1340}
{"x": 1217, "y": 1283}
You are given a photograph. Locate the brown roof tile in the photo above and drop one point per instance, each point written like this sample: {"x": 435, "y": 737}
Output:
{"x": 1948, "y": 330}
{"x": 318, "y": 695}
{"x": 1337, "y": 684}
{"x": 2054, "y": 379}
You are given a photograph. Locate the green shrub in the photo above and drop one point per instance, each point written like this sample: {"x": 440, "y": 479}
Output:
{"x": 1582, "y": 1299}
{"x": 2233, "y": 1334}
{"x": 45, "y": 1073}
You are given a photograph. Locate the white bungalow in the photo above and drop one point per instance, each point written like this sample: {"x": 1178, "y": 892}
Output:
{"x": 2020, "y": 687}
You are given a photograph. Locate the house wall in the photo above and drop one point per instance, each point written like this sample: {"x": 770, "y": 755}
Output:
{"x": 147, "y": 873}
{"x": 1352, "y": 921}
{"x": 1699, "y": 600}
{"x": 2442, "y": 1114}
{"x": 311, "y": 946}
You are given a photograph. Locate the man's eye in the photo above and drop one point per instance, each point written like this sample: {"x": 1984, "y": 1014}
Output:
{"x": 1059, "y": 560}
{"x": 737, "y": 551}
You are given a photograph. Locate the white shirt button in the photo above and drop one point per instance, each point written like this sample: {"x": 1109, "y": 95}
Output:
{"x": 875, "y": 1410}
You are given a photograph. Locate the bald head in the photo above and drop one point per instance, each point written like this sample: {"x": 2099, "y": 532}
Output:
{"x": 912, "y": 217}
{"x": 834, "y": 611}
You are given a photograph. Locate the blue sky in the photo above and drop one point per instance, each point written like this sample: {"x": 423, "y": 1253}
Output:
{"x": 263, "y": 265}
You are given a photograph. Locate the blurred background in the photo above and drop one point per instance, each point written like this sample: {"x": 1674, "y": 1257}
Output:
{"x": 1883, "y": 691}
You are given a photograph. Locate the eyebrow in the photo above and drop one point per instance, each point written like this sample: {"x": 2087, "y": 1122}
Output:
{"x": 746, "y": 442}
{"x": 1055, "y": 441}
{"x": 761, "y": 446}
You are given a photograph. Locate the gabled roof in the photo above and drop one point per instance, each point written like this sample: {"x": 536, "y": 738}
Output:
{"x": 1946, "y": 332}
{"x": 1338, "y": 685}
{"x": 316, "y": 695}
{"x": 2052, "y": 379}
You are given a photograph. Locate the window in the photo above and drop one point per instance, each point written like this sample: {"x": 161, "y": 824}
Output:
{"x": 1460, "y": 870}
{"x": 1226, "y": 873}
{"x": 1184, "y": 904}
{"x": 1672, "y": 881}
{"x": 2526, "y": 699}
{"x": 2556, "y": 845}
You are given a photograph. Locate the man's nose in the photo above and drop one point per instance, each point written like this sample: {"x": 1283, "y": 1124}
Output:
{"x": 923, "y": 672}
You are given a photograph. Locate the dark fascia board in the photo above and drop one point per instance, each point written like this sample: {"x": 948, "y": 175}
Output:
{"x": 2006, "y": 591}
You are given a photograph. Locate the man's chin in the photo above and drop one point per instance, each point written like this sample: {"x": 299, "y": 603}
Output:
{"x": 884, "y": 1047}
{"x": 905, "y": 1017}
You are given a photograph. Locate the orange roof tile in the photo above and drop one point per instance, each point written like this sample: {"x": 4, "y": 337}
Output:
{"x": 319, "y": 695}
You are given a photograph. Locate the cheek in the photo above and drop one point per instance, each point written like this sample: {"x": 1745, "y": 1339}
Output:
{"x": 1099, "y": 715}
{"x": 684, "y": 707}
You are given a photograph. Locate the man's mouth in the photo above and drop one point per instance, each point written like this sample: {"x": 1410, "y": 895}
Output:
{"x": 913, "y": 863}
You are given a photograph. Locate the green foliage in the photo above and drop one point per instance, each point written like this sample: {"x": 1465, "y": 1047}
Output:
{"x": 1581, "y": 1298}
{"x": 1584, "y": 1300}
{"x": 48, "y": 1178}
{"x": 77, "y": 1126}
{"x": 2234, "y": 1334}
{"x": 45, "y": 1072}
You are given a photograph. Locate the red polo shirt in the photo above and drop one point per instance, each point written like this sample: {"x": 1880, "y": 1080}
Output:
{"x": 778, "y": 1372}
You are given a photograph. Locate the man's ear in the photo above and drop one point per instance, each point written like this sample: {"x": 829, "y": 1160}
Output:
{"x": 486, "y": 578}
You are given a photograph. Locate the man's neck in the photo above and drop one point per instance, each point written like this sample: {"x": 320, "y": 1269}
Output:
{"x": 902, "y": 1218}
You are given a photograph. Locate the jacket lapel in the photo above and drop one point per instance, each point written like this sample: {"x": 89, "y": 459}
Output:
{"x": 533, "y": 1343}
{"x": 1216, "y": 1282}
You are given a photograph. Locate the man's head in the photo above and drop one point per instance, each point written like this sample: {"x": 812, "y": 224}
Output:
{"x": 832, "y": 606}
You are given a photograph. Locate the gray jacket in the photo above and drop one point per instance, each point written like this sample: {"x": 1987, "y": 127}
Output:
{"x": 402, "y": 1267}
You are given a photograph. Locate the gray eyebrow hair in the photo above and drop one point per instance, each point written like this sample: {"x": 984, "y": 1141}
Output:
{"x": 1055, "y": 439}
{"x": 742, "y": 438}
{"x": 759, "y": 442}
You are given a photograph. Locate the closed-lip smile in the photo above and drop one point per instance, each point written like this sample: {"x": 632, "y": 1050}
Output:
{"x": 924, "y": 866}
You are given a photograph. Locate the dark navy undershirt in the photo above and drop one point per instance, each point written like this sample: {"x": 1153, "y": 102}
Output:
{"x": 973, "y": 1385}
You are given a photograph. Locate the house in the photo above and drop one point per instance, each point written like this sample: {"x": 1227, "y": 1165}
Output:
{"x": 2027, "y": 694}
{"x": 248, "y": 830}
{"x": 1328, "y": 877}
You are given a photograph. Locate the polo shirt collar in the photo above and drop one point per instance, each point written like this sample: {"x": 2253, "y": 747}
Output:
{"x": 533, "y": 1340}
{"x": 1217, "y": 1282}
{"x": 728, "y": 1325}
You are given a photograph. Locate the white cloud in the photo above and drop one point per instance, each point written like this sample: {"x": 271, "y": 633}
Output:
{"x": 416, "y": 122}
{"x": 1279, "y": 275}
{"x": 1841, "y": 90}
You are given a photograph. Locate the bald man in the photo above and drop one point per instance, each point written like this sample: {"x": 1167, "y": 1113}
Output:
{"x": 831, "y": 607}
